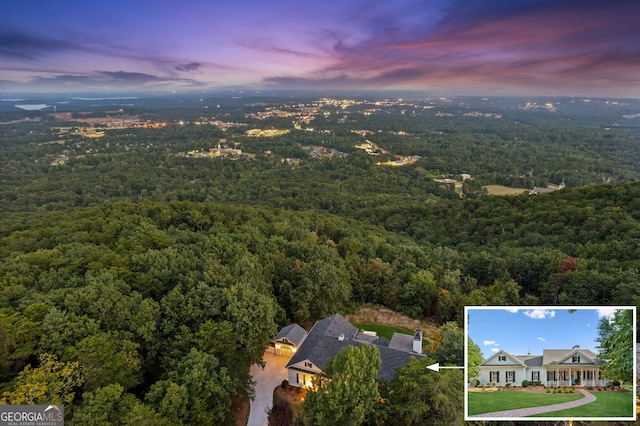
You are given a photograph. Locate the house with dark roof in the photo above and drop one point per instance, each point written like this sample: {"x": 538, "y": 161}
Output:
{"x": 289, "y": 340}
{"x": 330, "y": 335}
{"x": 555, "y": 367}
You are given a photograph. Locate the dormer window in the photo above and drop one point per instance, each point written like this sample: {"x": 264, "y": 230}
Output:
{"x": 575, "y": 358}
{"x": 502, "y": 358}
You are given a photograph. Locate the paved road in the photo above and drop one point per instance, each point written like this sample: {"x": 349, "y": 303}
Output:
{"x": 266, "y": 380}
{"x": 524, "y": 412}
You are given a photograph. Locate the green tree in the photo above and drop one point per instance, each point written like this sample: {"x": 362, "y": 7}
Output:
{"x": 108, "y": 359}
{"x": 198, "y": 391}
{"x": 447, "y": 344}
{"x": 419, "y": 295}
{"x": 617, "y": 347}
{"x": 348, "y": 391}
{"x": 419, "y": 396}
{"x": 474, "y": 359}
{"x": 106, "y": 405}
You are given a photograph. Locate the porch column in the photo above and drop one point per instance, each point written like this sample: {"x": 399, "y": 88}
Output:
{"x": 557, "y": 377}
{"x": 570, "y": 377}
{"x": 581, "y": 376}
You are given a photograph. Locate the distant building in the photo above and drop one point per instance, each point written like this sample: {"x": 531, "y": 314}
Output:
{"x": 550, "y": 188}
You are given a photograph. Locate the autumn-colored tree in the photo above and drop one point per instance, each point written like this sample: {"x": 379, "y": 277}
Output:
{"x": 53, "y": 382}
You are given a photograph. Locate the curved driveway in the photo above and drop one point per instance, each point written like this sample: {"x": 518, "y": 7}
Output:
{"x": 266, "y": 379}
{"x": 524, "y": 412}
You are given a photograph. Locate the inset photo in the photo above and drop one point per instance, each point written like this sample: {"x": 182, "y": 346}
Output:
{"x": 550, "y": 363}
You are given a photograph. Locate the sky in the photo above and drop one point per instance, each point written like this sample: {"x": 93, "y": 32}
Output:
{"x": 531, "y": 330}
{"x": 476, "y": 47}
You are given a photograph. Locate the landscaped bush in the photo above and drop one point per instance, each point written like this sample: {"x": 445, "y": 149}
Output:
{"x": 285, "y": 384}
{"x": 590, "y": 387}
{"x": 490, "y": 384}
{"x": 525, "y": 383}
{"x": 616, "y": 384}
{"x": 548, "y": 390}
{"x": 508, "y": 384}
{"x": 535, "y": 383}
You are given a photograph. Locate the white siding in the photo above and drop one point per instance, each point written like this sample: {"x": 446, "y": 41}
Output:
{"x": 508, "y": 360}
{"x": 542, "y": 373}
{"x": 299, "y": 378}
{"x": 517, "y": 376}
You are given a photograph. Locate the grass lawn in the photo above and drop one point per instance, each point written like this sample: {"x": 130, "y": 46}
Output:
{"x": 388, "y": 330}
{"x": 607, "y": 404}
{"x": 504, "y": 190}
{"x": 382, "y": 330}
{"x": 488, "y": 402}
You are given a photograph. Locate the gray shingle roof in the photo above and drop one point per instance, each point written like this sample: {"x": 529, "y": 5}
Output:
{"x": 323, "y": 342}
{"x": 293, "y": 333}
{"x": 530, "y": 360}
{"x": 555, "y": 356}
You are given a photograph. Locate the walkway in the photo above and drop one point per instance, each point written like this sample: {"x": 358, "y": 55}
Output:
{"x": 524, "y": 412}
{"x": 266, "y": 381}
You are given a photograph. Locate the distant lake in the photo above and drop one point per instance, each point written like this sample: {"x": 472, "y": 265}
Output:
{"x": 32, "y": 107}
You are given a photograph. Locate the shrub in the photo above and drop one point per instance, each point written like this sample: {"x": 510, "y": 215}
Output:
{"x": 508, "y": 384}
{"x": 555, "y": 391}
{"x": 548, "y": 390}
{"x": 490, "y": 384}
{"x": 615, "y": 384}
{"x": 525, "y": 383}
{"x": 590, "y": 387}
{"x": 280, "y": 413}
{"x": 285, "y": 384}
{"x": 535, "y": 383}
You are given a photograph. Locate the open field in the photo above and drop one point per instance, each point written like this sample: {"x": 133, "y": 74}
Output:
{"x": 504, "y": 190}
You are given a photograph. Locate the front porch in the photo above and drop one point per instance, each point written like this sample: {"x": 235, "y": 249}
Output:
{"x": 574, "y": 376}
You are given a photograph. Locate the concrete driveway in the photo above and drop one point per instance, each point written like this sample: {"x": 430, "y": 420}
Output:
{"x": 266, "y": 380}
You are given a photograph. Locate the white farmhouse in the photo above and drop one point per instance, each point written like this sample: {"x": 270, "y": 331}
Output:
{"x": 555, "y": 367}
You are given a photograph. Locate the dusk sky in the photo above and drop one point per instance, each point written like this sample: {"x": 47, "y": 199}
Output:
{"x": 483, "y": 47}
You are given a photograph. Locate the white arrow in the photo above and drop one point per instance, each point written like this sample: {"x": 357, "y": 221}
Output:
{"x": 436, "y": 367}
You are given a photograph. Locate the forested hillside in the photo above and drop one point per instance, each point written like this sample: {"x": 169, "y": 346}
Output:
{"x": 147, "y": 295}
{"x": 142, "y": 282}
